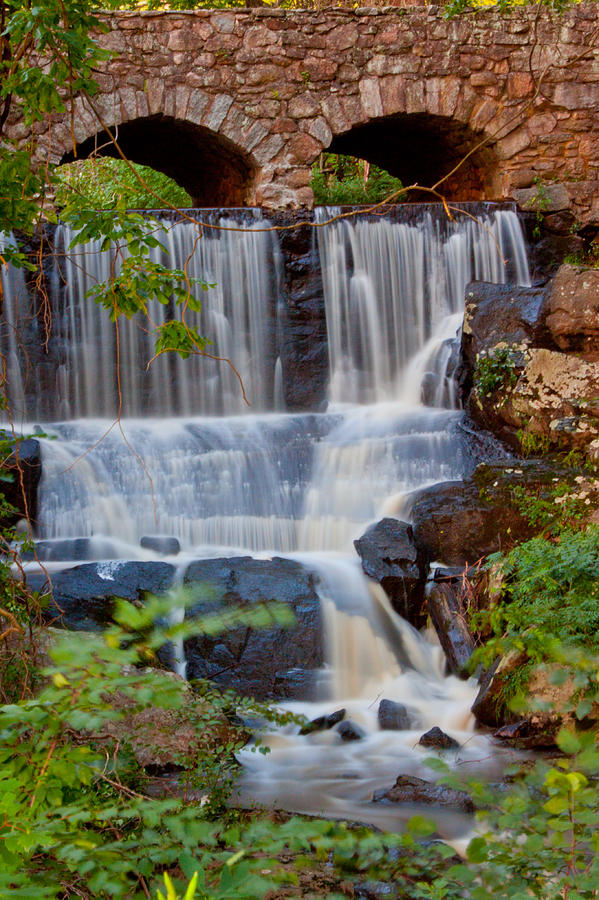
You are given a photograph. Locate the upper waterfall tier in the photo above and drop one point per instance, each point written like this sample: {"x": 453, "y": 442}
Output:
{"x": 390, "y": 288}
{"x": 387, "y": 289}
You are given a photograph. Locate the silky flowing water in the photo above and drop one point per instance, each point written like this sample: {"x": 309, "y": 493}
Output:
{"x": 190, "y": 460}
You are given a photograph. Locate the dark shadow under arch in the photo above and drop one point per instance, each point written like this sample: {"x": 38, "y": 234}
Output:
{"x": 211, "y": 168}
{"x": 422, "y": 148}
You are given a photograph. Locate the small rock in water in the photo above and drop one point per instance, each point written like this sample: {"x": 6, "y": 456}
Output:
{"x": 168, "y": 546}
{"x": 393, "y": 716}
{"x": 438, "y": 739}
{"x": 349, "y": 731}
{"x": 324, "y": 722}
{"x": 409, "y": 789}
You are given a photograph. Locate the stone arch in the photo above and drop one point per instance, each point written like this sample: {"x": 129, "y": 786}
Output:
{"x": 420, "y": 130}
{"x": 190, "y": 139}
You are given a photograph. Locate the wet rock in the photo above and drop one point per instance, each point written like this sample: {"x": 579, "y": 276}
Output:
{"x": 62, "y": 550}
{"x": 438, "y": 740}
{"x": 448, "y": 617}
{"x": 409, "y": 789}
{"x": 349, "y": 731}
{"x": 549, "y": 253}
{"x": 499, "y": 315}
{"x": 571, "y": 309}
{"x": 82, "y": 598}
{"x": 303, "y": 335}
{"x": 459, "y": 522}
{"x": 393, "y": 716}
{"x": 296, "y": 684}
{"x": 455, "y": 525}
{"x": 323, "y": 723}
{"x": 24, "y": 466}
{"x": 390, "y": 556}
{"x": 80, "y": 549}
{"x": 259, "y": 660}
{"x": 168, "y": 546}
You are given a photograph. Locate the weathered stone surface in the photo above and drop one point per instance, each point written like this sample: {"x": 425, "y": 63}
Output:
{"x": 499, "y": 315}
{"x": 571, "y": 309}
{"x": 255, "y": 662}
{"x": 544, "y": 197}
{"x": 389, "y": 555}
{"x": 393, "y": 716}
{"x": 555, "y": 400}
{"x": 409, "y": 789}
{"x": 83, "y": 596}
{"x": 438, "y": 740}
{"x": 546, "y": 398}
{"x": 442, "y": 88}
{"x": 449, "y": 620}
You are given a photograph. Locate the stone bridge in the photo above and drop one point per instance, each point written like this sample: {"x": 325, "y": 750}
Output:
{"x": 236, "y": 105}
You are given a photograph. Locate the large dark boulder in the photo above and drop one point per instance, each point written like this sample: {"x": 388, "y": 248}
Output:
{"x": 82, "y": 598}
{"x": 23, "y": 468}
{"x": 411, "y": 790}
{"x": 256, "y": 662}
{"x": 390, "y": 556}
{"x": 459, "y": 522}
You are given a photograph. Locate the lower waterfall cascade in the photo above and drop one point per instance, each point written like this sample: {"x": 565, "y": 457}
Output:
{"x": 189, "y": 461}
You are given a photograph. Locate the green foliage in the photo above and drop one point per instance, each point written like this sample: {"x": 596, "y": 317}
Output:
{"x": 101, "y": 182}
{"x": 457, "y": 7}
{"x": 552, "y": 508}
{"x": 72, "y": 807}
{"x": 94, "y": 195}
{"x": 495, "y": 371}
{"x": 551, "y": 605}
{"x": 343, "y": 180}
{"x": 533, "y": 444}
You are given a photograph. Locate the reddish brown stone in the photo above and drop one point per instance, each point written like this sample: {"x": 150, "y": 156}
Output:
{"x": 338, "y": 69}
{"x": 302, "y": 148}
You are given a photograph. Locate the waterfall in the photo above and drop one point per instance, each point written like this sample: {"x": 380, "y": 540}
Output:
{"x": 390, "y": 286}
{"x": 189, "y": 460}
{"x": 90, "y": 357}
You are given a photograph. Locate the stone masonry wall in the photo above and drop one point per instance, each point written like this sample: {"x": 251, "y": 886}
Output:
{"x": 261, "y": 93}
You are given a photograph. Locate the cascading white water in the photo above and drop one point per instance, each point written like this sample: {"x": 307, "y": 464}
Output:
{"x": 238, "y": 260}
{"x": 389, "y": 286}
{"x": 298, "y": 484}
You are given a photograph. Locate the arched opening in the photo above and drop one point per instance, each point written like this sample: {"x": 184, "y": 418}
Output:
{"x": 422, "y": 149}
{"x": 213, "y": 171}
